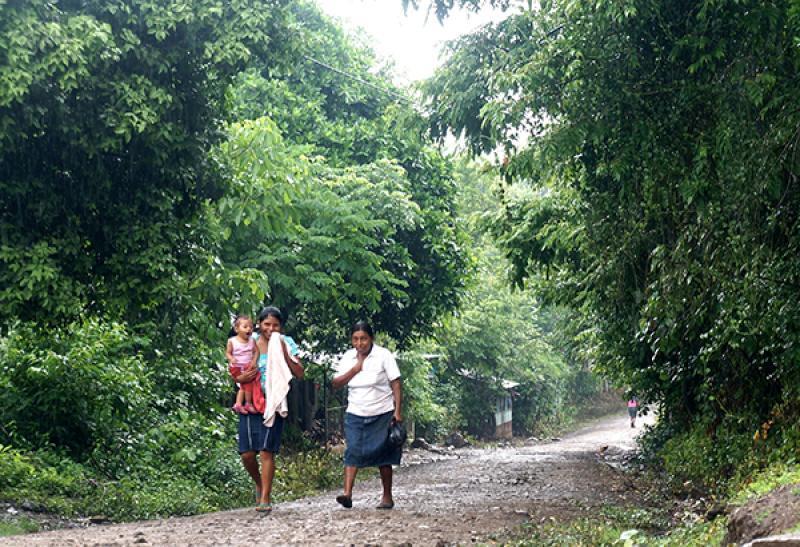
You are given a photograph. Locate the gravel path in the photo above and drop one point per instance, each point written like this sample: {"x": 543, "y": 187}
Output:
{"x": 472, "y": 495}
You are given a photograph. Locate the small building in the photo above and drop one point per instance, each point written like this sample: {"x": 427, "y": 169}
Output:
{"x": 503, "y": 415}
{"x": 499, "y": 426}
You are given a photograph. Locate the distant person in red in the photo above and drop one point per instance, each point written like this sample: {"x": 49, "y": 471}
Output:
{"x": 633, "y": 409}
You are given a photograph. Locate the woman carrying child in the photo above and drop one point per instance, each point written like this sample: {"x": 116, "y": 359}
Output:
{"x": 254, "y": 436}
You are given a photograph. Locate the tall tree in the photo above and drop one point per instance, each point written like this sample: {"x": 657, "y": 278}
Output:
{"x": 660, "y": 139}
{"x": 107, "y": 114}
{"x": 335, "y": 103}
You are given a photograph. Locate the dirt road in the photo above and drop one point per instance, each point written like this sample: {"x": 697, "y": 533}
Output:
{"x": 468, "y": 496}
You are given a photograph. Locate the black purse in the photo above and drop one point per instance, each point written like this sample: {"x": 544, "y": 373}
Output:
{"x": 397, "y": 434}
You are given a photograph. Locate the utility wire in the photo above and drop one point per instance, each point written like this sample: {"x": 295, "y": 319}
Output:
{"x": 359, "y": 80}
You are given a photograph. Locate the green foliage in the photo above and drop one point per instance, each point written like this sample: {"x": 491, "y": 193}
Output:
{"x": 609, "y": 525}
{"x": 704, "y": 462}
{"x": 426, "y": 405}
{"x": 180, "y": 484}
{"x": 32, "y": 277}
{"x": 306, "y": 473}
{"x": 624, "y": 527}
{"x": 340, "y": 223}
{"x": 143, "y": 199}
{"x": 442, "y": 8}
{"x": 658, "y": 192}
{"x": 18, "y": 526}
{"x": 771, "y": 478}
{"x": 13, "y": 467}
{"x": 107, "y": 111}
{"x": 501, "y": 334}
{"x": 82, "y": 386}
{"x": 375, "y": 153}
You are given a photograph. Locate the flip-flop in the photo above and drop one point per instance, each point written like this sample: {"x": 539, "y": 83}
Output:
{"x": 264, "y": 508}
{"x": 384, "y": 505}
{"x": 345, "y": 501}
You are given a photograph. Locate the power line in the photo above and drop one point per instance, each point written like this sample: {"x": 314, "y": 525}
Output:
{"x": 359, "y": 80}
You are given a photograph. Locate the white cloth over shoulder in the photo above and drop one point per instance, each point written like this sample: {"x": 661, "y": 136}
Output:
{"x": 278, "y": 379}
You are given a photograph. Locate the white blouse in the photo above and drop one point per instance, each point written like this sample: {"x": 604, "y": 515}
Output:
{"x": 369, "y": 392}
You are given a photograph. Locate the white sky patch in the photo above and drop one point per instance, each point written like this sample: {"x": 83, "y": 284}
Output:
{"x": 413, "y": 40}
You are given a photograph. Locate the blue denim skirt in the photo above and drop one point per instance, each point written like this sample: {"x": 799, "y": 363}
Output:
{"x": 254, "y": 436}
{"x": 368, "y": 441}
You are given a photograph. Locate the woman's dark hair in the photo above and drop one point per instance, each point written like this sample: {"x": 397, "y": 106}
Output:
{"x": 362, "y": 326}
{"x": 270, "y": 311}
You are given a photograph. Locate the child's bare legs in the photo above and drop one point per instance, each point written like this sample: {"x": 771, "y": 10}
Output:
{"x": 239, "y": 405}
{"x": 248, "y": 401}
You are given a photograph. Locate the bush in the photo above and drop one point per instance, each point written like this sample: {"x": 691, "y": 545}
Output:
{"x": 89, "y": 431}
{"x": 707, "y": 459}
{"x": 76, "y": 387}
{"x": 213, "y": 481}
{"x": 306, "y": 473}
{"x": 14, "y": 467}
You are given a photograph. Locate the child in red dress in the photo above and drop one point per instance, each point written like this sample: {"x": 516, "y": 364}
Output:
{"x": 242, "y": 354}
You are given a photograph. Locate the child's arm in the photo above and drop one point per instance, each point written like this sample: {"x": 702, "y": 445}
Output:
{"x": 229, "y": 352}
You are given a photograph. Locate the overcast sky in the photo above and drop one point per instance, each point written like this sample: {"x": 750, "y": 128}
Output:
{"x": 409, "y": 39}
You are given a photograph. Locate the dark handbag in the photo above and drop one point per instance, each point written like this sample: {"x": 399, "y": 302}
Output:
{"x": 397, "y": 434}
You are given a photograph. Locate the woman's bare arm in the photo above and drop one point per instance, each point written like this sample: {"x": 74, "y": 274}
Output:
{"x": 344, "y": 379}
{"x": 397, "y": 392}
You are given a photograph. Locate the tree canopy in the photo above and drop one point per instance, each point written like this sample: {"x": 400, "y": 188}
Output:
{"x": 366, "y": 148}
{"x": 166, "y": 165}
{"x": 659, "y": 141}
{"x": 107, "y": 113}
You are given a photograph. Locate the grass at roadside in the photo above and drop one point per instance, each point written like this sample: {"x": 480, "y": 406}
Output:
{"x": 772, "y": 478}
{"x": 45, "y": 487}
{"x": 672, "y": 518}
{"x": 617, "y": 526}
{"x": 21, "y": 525}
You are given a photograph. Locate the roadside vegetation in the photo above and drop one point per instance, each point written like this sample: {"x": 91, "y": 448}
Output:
{"x": 630, "y": 215}
{"x": 166, "y": 165}
{"x": 648, "y": 153}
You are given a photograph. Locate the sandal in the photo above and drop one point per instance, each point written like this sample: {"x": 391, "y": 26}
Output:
{"x": 386, "y": 505}
{"x": 344, "y": 501}
{"x": 264, "y": 507}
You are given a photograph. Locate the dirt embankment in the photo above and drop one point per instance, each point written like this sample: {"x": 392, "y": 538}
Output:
{"x": 468, "y": 496}
{"x": 770, "y": 514}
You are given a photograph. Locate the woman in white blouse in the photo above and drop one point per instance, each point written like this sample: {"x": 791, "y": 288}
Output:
{"x": 373, "y": 403}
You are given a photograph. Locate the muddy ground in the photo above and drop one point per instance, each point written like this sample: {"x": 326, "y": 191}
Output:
{"x": 460, "y": 497}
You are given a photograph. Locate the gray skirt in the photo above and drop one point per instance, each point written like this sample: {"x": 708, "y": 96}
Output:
{"x": 368, "y": 441}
